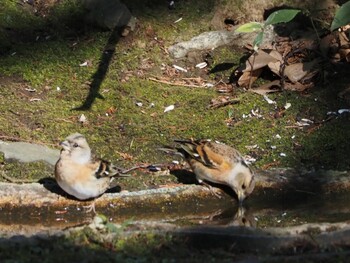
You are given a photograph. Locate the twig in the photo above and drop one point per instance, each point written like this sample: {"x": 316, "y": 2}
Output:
{"x": 251, "y": 72}
{"x": 315, "y": 124}
{"x": 196, "y": 79}
{"x": 222, "y": 104}
{"x": 15, "y": 113}
{"x": 17, "y": 181}
{"x": 16, "y": 139}
{"x": 269, "y": 165}
{"x": 9, "y": 138}
{"x": 176, "y": 84}
{"x": 294, "y": 127}
{"x": 315, "y": 29}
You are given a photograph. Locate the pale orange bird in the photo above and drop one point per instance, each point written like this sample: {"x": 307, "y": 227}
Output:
{"x": 79, "y": 173}
{"x": 217, "y": 163}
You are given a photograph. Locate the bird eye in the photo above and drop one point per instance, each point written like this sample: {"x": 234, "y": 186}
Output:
{"x": 75, "y": 145}
{"x": 243, "y": 186}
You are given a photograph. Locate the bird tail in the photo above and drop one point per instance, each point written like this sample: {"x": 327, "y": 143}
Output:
{"x": 172, "y": 150}
{"x": 187, "y": 148}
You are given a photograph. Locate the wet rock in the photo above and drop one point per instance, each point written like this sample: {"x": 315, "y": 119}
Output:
{"x": 213, "y": 39}
{"x": 36, "y": 194}
{"x": 28, "y": 152}
{"x": 108, "y": 14}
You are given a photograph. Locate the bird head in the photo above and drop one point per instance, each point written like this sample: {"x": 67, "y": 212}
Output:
{"x": 76, "y": 147}
{"x": 242, "y": 182}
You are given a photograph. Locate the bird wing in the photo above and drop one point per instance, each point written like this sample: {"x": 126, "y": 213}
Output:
{"x": 201, "y": 151}
{"x": 103, "y": 168}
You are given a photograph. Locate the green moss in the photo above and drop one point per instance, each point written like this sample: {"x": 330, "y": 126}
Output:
{"x": 115, "y": 124}
{"x": 27, "y": 171}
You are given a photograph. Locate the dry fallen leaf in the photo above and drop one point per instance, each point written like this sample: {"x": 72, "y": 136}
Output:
{"x": 125, "y": 156}
{"x": 275, "y": 67}
{"x": 296, "y": 72}
{"x": 277, "y": 55}
{"x": 258, "y": 60}
{"x": 297, "y": 86}
{"x": 267, "y": 88}
{"x": 111, "y": 110}
{"x": 249, "y": 78}
{"x": 343, "y": 39}
{"x": 345, "y": 54}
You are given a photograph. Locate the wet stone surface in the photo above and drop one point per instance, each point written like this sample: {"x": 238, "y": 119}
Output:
{"x": 280, "y": 216}
{"x": 28, "y": 152}
{"x": 274, "y": 203}
{"x": 286, "y": 208}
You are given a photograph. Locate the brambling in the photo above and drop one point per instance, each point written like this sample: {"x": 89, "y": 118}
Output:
{"x": 79, "y": 173}
{"x": 217, "y": 163}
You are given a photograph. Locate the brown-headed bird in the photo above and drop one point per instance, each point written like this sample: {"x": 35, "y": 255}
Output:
{"x": 217, "y": 163}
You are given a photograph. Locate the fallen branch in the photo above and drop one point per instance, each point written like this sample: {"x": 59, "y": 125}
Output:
{"x": 17, "y": 139}
{"x": 176, "y": 83}
{"x": 16, "y": 181}
{"x": 222, "y": 104}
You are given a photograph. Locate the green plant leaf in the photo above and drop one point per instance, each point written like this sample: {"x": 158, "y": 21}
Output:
{"x": 281, "y": 16}
{"x": 342, "y": 16}
{"x": 258, "y": 40}
{"x": 249, "y": 27}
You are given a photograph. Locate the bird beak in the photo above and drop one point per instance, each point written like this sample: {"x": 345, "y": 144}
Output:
{"x": 64, "y": 145}
{"x": 241, "y": 197}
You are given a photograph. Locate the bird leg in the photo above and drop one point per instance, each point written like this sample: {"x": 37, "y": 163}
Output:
{"x": 90, "y": 208}
{"x": 211, "y": 188}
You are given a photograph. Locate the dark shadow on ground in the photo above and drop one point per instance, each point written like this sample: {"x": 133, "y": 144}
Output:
{"x": 186, "y": 177}
{"x": 50, "y": 184}
{"x": 98, "y": 77}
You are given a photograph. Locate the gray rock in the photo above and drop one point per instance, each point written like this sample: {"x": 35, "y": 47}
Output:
{"x": 108, "y": 14}
{"x": 213, "y": 39}
{"x": 28, "y": 152}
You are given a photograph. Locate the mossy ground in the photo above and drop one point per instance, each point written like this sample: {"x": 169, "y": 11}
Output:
{"x": 42, "y": 86}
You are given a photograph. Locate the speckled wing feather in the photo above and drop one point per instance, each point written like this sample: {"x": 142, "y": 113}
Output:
{"x": 103, "y": 168}
{"x": 228, "y": 152}
{"x": 200, "y": 151}
{"x": 211, "y": 154}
